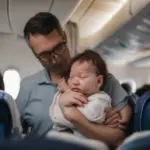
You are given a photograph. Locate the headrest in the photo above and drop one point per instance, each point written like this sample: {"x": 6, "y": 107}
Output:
{"x": 6, "y": 98}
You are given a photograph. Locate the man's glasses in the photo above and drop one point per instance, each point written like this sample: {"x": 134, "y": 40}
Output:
{"x": 49, "y": 55}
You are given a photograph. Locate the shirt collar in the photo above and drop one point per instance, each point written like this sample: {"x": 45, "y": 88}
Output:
{"x": 44, "y": 78}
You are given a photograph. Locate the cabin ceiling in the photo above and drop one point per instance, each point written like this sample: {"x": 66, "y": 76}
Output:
{"x": 97, "y": 21}
{"x": 92, "y": 15}
{"x": 15, "y": 13}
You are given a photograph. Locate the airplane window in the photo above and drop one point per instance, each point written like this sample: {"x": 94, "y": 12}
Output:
{"x": 12, "y": 82}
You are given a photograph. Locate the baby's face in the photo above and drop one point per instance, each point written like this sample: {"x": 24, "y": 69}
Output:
{"x": 83, "y": 78}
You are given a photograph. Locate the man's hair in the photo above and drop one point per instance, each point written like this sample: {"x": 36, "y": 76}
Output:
{"x": 145, "y": 88}
{"x": 94, "y": 58}
{"x": 1, "y": 82}
{"x": 42, "y": 23}
{"x": 127, "y": 87}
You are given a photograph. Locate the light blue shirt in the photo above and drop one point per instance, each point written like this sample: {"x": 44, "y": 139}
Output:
{"x": 34, "y": 99}
{"x": 36, "y": 95}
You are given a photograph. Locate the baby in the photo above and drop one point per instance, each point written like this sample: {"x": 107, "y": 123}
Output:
{"x": 87, "y": 74}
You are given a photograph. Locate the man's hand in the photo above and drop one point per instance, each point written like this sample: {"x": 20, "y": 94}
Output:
{"x": 119, "y": 119}
{"x": 71, "y": 98}
{"x": 111, "y": 136}
{"x": 112, "y": 118}
{"x": 126, "y": 114}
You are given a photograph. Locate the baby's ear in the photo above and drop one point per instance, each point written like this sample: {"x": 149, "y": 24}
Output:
{"x": 100, "y": 80}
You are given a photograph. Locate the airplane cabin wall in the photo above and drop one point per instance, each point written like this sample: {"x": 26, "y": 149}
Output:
{"x": 15, "y": 54}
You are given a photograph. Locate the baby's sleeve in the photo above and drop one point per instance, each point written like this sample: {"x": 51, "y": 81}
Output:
{"x": 56, "y": 115}
{"x": 94, "y": 111}
{"x": 51, "y": 109}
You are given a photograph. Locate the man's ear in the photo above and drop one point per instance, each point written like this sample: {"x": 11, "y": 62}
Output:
{"x": 100, "y": 80}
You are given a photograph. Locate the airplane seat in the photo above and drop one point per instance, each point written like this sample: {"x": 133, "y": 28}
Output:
{"x": 141, "y": 116}
{"x": 5, "y": 121}
{"x": 137, "y": 141}
{"x": 10, "y": 127}
{"x": 70, "y": 138}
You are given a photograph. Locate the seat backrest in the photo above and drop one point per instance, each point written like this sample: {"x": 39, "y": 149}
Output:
{"x": 5, "y": 119}
{"x": 137, "y": 141}
{"x": 141, "y": 116}
{"x": 2, "y": 134}
{"x": 9, "y": 117}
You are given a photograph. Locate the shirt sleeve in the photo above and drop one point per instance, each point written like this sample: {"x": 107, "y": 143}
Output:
{"x": 22, "y": 101}
{"x": 23, "y": 96}
{"x": 118, "y": 95}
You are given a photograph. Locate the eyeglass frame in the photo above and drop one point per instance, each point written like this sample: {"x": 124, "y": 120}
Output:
{"x": 51, "y": 52}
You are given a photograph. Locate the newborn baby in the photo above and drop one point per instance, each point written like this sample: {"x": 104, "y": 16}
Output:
{"x": 87, "y": 74}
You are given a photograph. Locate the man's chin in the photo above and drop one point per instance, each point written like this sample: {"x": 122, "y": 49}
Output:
{"x": 60, "y": 72}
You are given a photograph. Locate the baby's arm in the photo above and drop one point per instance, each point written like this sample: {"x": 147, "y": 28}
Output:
{"x": 94, "y": 111}
{"x": 56, "y": 115}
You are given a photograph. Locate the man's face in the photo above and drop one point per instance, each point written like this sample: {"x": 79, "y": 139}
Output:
{"x": 51, "y": 50}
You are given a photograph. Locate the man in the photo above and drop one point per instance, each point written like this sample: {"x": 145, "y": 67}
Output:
{"x": 47, "y": 40}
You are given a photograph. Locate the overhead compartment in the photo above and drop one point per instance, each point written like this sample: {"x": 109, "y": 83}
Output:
{"x": 97, "y": 19}
{"x": 128, "y": 40}
{"x": 63, "y": 9}
{"x": 137, "y": 5}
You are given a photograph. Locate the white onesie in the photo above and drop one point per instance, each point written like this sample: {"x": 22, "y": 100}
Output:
{"x": 94, "y": 111}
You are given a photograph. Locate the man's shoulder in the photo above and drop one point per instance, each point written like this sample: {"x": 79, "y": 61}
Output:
{"x": 34, "y": 78}
{"x": 110, "y": 81}
{"x": 111, "y": 78}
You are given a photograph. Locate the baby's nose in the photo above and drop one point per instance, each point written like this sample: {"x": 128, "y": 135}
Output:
{"x": 75, "y": 81}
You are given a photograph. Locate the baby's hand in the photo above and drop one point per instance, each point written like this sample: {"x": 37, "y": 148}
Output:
{"x": 62, "y": 86}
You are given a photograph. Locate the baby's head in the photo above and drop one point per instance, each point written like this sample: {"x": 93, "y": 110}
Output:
{"x": 87, "y": 73}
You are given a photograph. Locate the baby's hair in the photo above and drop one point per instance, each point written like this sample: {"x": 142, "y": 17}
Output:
{"x": 94, "y": 58}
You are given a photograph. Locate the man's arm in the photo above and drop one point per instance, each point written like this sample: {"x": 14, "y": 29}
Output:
{"x": 22, "y": 100}
{"x": 111, "y": 136}
{"x": 23, "y": 96}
